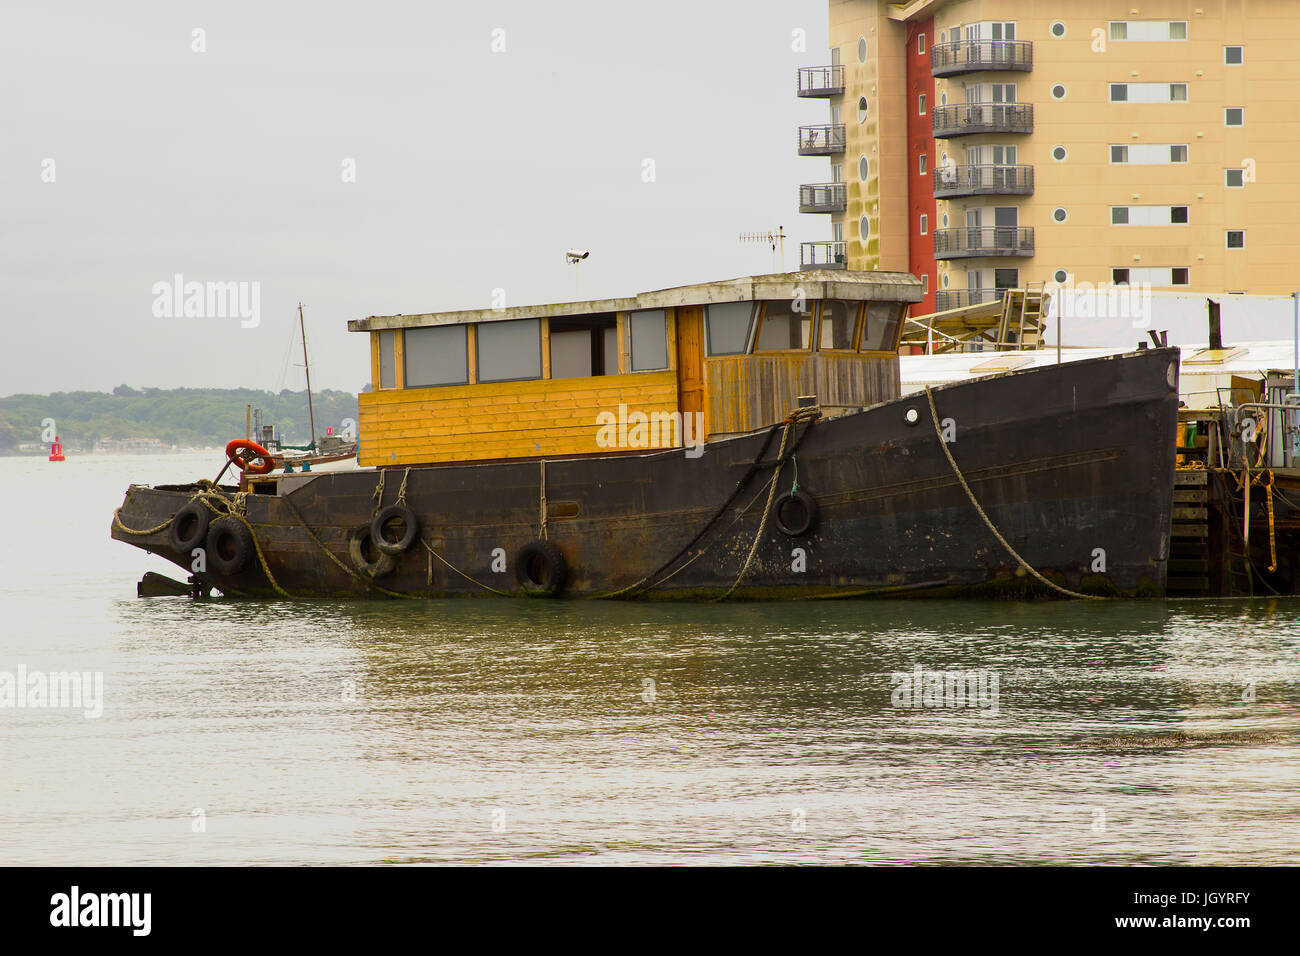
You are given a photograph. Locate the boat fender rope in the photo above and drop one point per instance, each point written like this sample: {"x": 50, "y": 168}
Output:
{"x": 938, "y": 433}
{"x": 485, "y": 587}
{"x": 333, "y": 557}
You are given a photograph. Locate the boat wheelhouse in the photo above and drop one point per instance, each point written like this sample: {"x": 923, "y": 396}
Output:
{"x": 658, "y": 370}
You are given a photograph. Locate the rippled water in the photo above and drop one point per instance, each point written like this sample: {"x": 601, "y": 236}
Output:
{"x": 488, "y": 730}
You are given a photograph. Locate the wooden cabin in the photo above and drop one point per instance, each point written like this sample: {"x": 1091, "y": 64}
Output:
{"x": 540, "y": 381}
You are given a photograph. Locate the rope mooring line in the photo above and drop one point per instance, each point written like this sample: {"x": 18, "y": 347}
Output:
{"x": 453, "y": 567}
{"x": 938, "y": 433}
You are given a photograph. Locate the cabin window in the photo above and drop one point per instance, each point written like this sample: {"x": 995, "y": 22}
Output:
{"x": 727, "y": 326}
{"x": 387, "y": 359}
{"x": 435, "y": 355}
{"x": 839, "y": 325}
{"x": 784, "y": 328}
{"x": 583, "y": 347}
{"x": 880, "y": 327}
{"x": 649, "y": 340}
{"x": 509, "y": 351}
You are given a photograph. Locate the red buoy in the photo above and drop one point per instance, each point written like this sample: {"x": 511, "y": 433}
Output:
{"x": 56, "y": 450}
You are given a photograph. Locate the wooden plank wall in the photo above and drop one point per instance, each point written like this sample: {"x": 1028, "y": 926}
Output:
{"x": 410, "y": 426}
{"x": 751, "y": 391}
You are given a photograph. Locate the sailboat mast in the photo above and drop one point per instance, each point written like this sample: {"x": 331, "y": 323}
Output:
{"x": 311, "y": 414}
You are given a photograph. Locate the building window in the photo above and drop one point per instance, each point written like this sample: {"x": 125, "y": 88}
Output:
{"x": 1119, "y": 31}
{"x": 863, "y": 169}
{"x": 509, "y": 351}
{"x": 1179, "y": 276}
{"x": 945, "y": 220}
{"x": 1119, "y": 154}
{"x": 864, "y": 228}
{"x": 1234, "y": 55}
{"x": 1119, "y": 276}
{"x": 1148, "y": 30}
{"x": 1177, "y": 154}
{"x": 839, "y": 325}
{"x": 1060, "y": 215}
{"x": 862, "y": 49}
{"x": 649, "y": 335}
{"x": 1234, "y": 178}
{"x": 862, "y": 109}
{"x": 1059, "y": 154}
{"x": 1118, "y": 92}
{"x": 1236, "y": 239}
{"x": 1148, "y": 92}
{"x": 387, "y": 359}
{"x": 435, "y": 355}
{"x": 727, "y": 326}
{"x": 1178, "y": 30}
{"x": 1149, "y": 154}
{"x": 925, "y": 224}
{"x": 1060, "y": 276}
{"x": 1119, "y": 215}
{"x": 920, "y": 105}
{"x": 923, "y": 163}
{"x": 920, "y": 44}
{"x": 1178, "y": 92}
{"x": 925, "y": 283}
{"x": 783, "y": 328}
{"x": 1234, "y": 116}
{"x": 1058, "y": 29}
{"x": 1178, "y": 215}
{"x": 1058, "y": 92}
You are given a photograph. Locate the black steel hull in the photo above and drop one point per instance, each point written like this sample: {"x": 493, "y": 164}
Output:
{"x": 1073, "y": 464}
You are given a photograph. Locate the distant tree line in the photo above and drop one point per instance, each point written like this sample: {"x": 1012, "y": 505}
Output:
{"x": 179, "y": 416}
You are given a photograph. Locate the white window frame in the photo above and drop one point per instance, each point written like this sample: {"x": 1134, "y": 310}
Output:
{"x": 1226, "y": 124}
{"x": 1234, "y": 46}
{"x": 1227, "y": 233}
{"x": 925, "y": 224}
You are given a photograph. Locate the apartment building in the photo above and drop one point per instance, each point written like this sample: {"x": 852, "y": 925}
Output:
{"x": 988, "y": 144}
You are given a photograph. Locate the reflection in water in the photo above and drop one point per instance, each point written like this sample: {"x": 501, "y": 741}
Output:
{"x": 486, "y": 730}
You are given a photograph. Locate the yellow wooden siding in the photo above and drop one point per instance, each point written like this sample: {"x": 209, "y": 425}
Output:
{"x": 751, "y": 391}
{"x": 502, "y": 420}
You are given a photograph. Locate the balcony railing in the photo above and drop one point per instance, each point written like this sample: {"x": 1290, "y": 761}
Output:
{"x": 951, "y": 182}
{"x": 823, "y": 197}
{"x": 821, "y": 140}
{"x": 821, "y": 80}
{"x": 972, "y": 118}
{"x": 968, "y": 241}
{"x": 822, "y": 255}
{"x": 970, "y": 56}
{"x": 960, "y": 298}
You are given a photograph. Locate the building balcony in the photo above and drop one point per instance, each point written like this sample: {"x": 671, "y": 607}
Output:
{"x": 946, "y": 299}
{"x": 822, "y": 255}
{"x": 973, "y": 56}
{"x": 972, "y": 118}
{"x": 823, "y": 197}
{"x": 821, "y": 140}
{"x": 822, "y": 81}
{"x": 951, "y": 182}
{"x": 970, "y": 241}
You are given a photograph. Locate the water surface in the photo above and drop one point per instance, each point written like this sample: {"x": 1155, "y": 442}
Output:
{"x": 489, "y": 730}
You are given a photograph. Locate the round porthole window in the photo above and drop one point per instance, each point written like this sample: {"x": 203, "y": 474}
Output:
{"x": 1059, "y": 214}
{"x": 1058, "y": 92}
{"x": 862, "y": 109}
{"x": 864, "y": 228}
{"x": 1058, "y": 29}
{"x": 864, "y": 169}
{"x": 945, "y": 282}
{"x": 1060, "y": 275}
{"x": 862, "y": 49}
{"x": 1059, "y": 153}
{"x": 945, "y": 220}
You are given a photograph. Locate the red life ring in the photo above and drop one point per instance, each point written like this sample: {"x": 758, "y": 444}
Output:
{"x": 245, "y": 462}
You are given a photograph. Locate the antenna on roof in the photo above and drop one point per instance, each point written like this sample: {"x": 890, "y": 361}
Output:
{"x": 774, "y": 239}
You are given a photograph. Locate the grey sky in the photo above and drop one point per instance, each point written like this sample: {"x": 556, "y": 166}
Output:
{"x": 474, "y": 170}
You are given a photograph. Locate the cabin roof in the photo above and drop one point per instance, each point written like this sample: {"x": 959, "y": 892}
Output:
{"x": 821, "y": 284}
